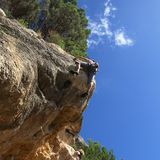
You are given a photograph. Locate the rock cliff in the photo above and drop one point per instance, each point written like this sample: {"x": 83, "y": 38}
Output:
{"x": 41, "y": 102}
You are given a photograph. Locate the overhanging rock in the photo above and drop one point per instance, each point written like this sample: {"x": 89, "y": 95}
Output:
{"x": 41, "y": 102}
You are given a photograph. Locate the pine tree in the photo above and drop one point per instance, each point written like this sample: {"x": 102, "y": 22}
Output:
{"x": 70, "y": 23}
{"x": 59, "y": 21}
{"x": 19, "y": 9}
{"x": 95, "y": 152}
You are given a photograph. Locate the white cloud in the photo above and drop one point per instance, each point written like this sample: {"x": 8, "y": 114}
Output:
{"x": 93, "y": 42}
{"x": 85, "y": 6}
{"x": 121, "y": 39}
{"x": 108, "y": 8}
{"x": 102, "y": 28}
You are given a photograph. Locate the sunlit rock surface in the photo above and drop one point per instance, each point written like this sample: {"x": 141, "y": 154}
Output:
{"x": 41, "y": 102}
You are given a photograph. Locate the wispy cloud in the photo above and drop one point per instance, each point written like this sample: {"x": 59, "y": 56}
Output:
{"x": 102, "y": 29}
{"x": 121, "y": 39}
{"x": 94, "y": 42}
{"x": 109, "y": 8}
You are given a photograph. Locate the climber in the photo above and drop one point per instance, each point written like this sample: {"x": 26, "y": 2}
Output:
{"x": 91, "y": 67}
{"x": 2, "y": 13}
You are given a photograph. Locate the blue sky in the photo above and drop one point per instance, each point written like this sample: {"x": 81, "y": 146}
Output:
{"x": 124, "y": 113}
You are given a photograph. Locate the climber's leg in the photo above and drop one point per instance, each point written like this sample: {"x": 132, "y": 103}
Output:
{"x": 91, "y": 76}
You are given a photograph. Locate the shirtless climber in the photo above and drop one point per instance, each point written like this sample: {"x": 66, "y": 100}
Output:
{"x": 91, "y": 67}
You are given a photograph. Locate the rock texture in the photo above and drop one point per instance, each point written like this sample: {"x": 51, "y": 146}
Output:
{"x": 41, "y": 102}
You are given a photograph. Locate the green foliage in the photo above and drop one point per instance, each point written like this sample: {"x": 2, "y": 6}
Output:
{"x": 27, "y": 10}
{"x": 95, "y": 152}
{"x": 56, "y": 38}
{"x": 19, "y": 9}
{"x": 74, "y": 2}
{"x": 23, "y": 22}
{"x": 5, "y": 6}
{"x": 63, "y": 23}
{"x": 70, "y": 23}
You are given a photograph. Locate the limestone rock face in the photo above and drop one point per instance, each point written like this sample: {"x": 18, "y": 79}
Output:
{"x": 41, "y": 102}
